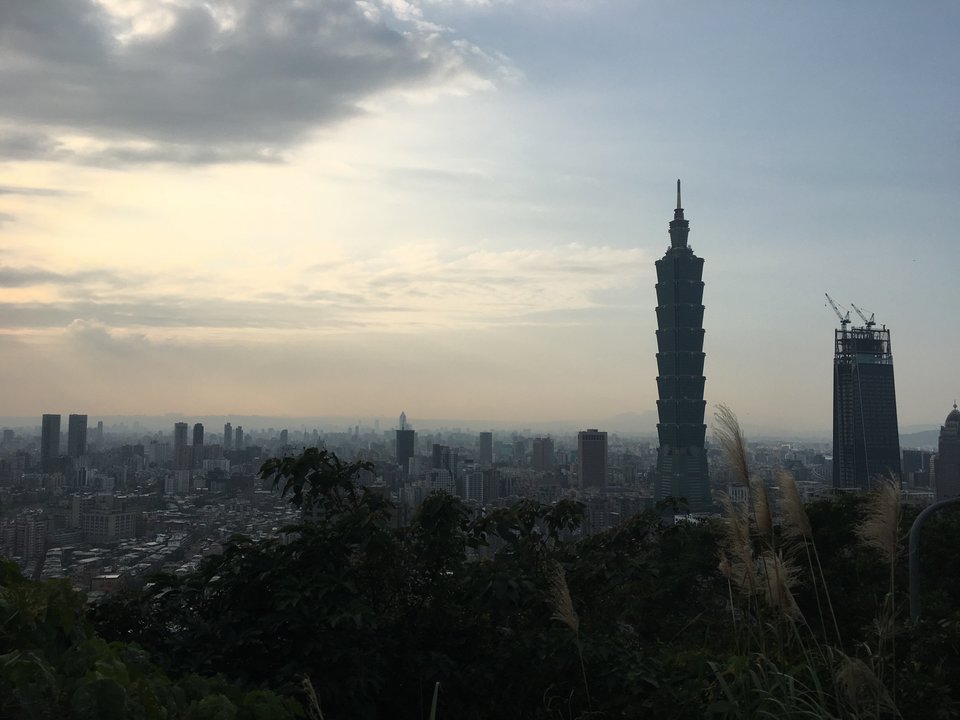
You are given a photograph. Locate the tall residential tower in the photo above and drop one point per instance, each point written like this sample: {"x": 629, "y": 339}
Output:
{"x": 681, "y": 458}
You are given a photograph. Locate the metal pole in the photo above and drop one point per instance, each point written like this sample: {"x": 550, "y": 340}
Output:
{"x": 915, "y": 552}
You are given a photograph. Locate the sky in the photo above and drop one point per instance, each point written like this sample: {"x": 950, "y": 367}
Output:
{"x": 453, "y": 207}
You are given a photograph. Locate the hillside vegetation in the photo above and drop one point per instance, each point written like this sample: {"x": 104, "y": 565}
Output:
{"x": 512, "y": 613}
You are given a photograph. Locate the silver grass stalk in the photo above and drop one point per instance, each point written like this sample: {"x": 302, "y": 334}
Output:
{"x": 862, "y": 689}
{"x": 780, "y": 577}
{"x": 797, "y": 529}
{"x": 761, "y": 506}
{"x": 561, "y": 600}
{"x": 796, "y": 524}
{"x": 564, "y": 612}
{"x": 738, "y": 560}
{"x": 728, "y": 435}
{"x": 313, "y": 703}
{"x": 879, "y": 529}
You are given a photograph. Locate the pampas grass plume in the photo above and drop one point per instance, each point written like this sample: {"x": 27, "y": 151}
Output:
{"x": 761, "y": 506}
{"x": 727, "y": 433}
{"x": 796, "y": 524}
{"x": 880, "y": 528}
{"x": 561, "y": 600}
{"x": 780, "y": 578}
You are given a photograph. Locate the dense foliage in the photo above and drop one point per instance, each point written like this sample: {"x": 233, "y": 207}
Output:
{"x": 512, "y": 612}
{"x": 52, "y": 665}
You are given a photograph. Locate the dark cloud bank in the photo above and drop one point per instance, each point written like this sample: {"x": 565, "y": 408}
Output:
{"x": 223, "y": 81}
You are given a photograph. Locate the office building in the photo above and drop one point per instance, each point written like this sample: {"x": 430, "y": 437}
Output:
{"x": 486, "y": 450}
{"x": 441, "y": 457}
{"x": 543, "y": 454}
{"x": 682, "y": 470}
{"x": 915, "y": 466}
{"x": 592, "y": 459}
{"x": 406, "y": 446}
{"x": 866, "y": 438}
{"x": 948, "y": 457}
{"x": 227, "y": 436}
{"x": 238, "y": 439}
{"x": 50, "y": 443}
{"x": 198, "y": 435}
{"x": 179, "y": 435}
{"x": 76, "y": 436}
{"x": 182, "y": 456}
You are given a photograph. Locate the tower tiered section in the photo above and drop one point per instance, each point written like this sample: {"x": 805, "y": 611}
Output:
{"x": 681, "y": 458}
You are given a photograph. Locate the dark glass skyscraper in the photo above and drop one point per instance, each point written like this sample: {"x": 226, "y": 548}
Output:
{"x": 592, "y": 459}
{"x": 682, "y": 458}
{"x": 866, "y": 439}
{"x": 50, "y": 443}
{"x": 76, "y": 436}
{"x": 406, "y": 445}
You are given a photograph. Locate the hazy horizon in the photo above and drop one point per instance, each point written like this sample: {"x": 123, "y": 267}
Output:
{"x": 640, "y": 426}
{"x": 453, "y": 207}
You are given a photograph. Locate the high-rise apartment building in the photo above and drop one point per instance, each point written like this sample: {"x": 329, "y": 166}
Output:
{"x": 543, "y": 454}
{"x": 238, "y": 439}
{"x": 198, "y": 434}
{"x": 486, "y": 450}
{"x": 50, "y": 443}
{"x": 592, "y": 459}
{"x": 227, "y": 436}
{"x": 76, "y": 436}
{"x": 866, "y": 438}
{"x": 948, "y": 457}
{"x": 681, "y": 459}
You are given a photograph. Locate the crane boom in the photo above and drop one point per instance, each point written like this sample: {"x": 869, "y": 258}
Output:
{"x": 844, "y": 319}
{"x": 869, "y": 323}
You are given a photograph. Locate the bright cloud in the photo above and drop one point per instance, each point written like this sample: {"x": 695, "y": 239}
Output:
{"x": 404, "y": 289}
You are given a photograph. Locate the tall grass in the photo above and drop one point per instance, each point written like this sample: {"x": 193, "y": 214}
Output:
{"x": 564, "y": 612}
{"x": 761, "y": 565}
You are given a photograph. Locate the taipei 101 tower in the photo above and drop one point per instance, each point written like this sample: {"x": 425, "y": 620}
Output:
{"x": 682, "y": 458}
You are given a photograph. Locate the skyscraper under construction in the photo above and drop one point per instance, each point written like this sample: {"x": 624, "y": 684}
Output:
{"x": 682, "y": 458}
{"x": 866, "y": 438}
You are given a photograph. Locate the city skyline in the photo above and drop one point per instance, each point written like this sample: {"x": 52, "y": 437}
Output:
{"x": 462, "y": 222}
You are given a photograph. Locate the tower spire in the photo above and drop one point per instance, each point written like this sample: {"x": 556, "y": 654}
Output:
{"x": 679, "y": 227}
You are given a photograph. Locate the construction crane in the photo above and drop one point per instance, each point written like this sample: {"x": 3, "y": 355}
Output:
{"x": 869, "y": 323}
{"x": 844, "y": 319}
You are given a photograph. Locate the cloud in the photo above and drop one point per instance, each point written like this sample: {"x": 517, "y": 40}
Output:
{"x": 403, "y": 290}
{"x": 124, "y": 82}
{"x": 19, "y": 145}
{"x": 6, "y": 218}
{"x": 31, "y": 191}
{"x": 95, "y": 337}
{"x": 21, "y": 277}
